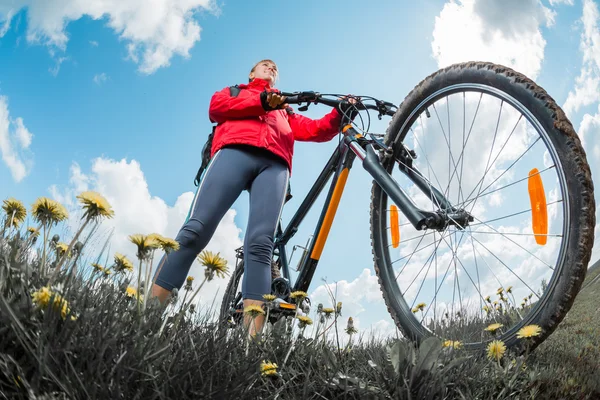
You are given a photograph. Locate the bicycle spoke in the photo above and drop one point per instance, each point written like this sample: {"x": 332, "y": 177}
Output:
{"x": 505, "y": 171}
{"x": 510, "y": 184}
{"x": 512, "y": 215}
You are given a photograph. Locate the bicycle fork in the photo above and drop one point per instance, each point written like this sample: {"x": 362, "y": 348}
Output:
{"x": 420, "y": 219}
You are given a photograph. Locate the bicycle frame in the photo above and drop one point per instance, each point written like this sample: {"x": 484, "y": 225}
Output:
{"x": 339, "y": 166}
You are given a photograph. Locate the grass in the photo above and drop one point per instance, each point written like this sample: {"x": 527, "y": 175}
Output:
{"x": 87, "y": 336}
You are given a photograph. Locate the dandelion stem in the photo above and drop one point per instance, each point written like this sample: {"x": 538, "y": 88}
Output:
{"x": 66, "y": 254}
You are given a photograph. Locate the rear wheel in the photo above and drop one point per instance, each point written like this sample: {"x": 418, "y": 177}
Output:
{"x": 498, "y": 147}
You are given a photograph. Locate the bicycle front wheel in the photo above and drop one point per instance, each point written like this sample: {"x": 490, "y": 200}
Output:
{"x": 497, "y": 147}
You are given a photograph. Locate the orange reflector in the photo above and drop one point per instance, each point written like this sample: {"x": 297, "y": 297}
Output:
{"x": 394, "y": 226}
{"x": 288, "y": 306}
{"x": 539, "y": 211}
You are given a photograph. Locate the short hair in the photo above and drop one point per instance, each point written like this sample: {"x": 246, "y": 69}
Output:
{"x": 261, "y": 61}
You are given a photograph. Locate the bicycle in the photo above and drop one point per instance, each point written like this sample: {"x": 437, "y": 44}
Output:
{"x": 454, "y": 180}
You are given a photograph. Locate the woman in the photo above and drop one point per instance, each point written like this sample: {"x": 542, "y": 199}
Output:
{"x": 252, "y": 150}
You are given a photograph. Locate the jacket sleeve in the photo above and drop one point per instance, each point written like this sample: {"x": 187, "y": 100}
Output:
{"x": 224, "y": 107}
{"x": 315, "y": 130}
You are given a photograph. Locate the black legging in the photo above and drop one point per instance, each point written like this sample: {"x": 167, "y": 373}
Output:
{"x": 232, "y": 170}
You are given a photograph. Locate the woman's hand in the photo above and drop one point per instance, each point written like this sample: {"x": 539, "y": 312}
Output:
{"x": 272, "y": 101}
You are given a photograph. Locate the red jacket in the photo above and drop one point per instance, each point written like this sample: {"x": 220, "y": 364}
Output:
{"x": 242, "y": 120}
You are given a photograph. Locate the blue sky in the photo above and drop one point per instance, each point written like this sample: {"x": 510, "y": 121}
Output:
{"x": 94, "y": 107}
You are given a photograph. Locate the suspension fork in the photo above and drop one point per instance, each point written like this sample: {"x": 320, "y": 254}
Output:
{"x": 420, "y": 219}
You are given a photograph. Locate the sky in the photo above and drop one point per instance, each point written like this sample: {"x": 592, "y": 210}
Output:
{"x": 113, "y": 96}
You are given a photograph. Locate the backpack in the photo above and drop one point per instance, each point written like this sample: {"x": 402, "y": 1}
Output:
{"x": 233, "y": 91}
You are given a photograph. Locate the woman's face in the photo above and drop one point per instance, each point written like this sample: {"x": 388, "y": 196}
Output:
{"x": 265, "y": 70}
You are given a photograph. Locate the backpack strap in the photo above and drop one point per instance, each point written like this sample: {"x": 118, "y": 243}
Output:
{"x": 234, "y": 91}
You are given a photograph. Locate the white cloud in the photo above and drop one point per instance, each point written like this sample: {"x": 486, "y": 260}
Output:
{"x": 352, "y": 294}
{"x": 123, "y": 184}
{"x": 93, "y": 43}
{"x": 486, "y": 30}
{"x": 557, "y": 2}
{"x": 587, "y": 84}
{"x": 14, "y": 143}
{"x": 99, "y": 79}
{"x": 154, "y": 32}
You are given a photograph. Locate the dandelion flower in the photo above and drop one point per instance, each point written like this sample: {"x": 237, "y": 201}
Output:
{"x": 61, "y": 248}
{"x": 455, "y": 344}
{"x": 188, "y": 282}
{"x": 214, "y": 263}
{"x": 95, "y": 205}
{"x": 328, "y": 311}
{"x": 269, "y": 297}
{"x": 60, "y": 304}
{"x": 97, "y": 267}
{"x": 47, "y": 211}
{"x": 486, "y": 309}
{"x": 529, "y": 331}
{"x": 304, "y": 320}
{"x": 419, "y": 307}
{"x": 42, "y": 296}
{"x": 299, "y": 295}
{"x": 107, "y": 272}
{"x": 338, "y": 308}
{"x": 165, "y": 244}
{"x": 496, "y": 350}
{"x": 268, "y": 369}
{"x": 122, "y": 263}
{"x": 15, "y": 212}
{"x": 33, "y": 231}
{"x": 131, "y": 291}
{"x": 254, "y": 310}
{"x": 500, "y": 291}
{"x": 144, "y": 243}
{"x": 487, "y": 298}
{"x": 493, "y": 328}
{"x": 509, "y": 289}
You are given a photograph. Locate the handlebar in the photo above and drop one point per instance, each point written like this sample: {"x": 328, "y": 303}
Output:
{"x": 383, "y": 107}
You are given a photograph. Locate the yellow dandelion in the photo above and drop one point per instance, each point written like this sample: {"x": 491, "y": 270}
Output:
{"x": 496, "y": 350}
{"x": 493, "y": 328}
{"x": 486, "y": 309}
{"x": 95, "y": 205}
{"x": 47, "y": 211}
{"x": 61, "y": 248}
{"x": 42, "y": 296}
{"x": 419, "y": 307}
{"x": 214, "y": 263}
{"x": 488, "y": 299}
{"x": 268, "y": 369}
{"x": 15, "y": 212}
{"x": 269, "y": 297}
{"x": 107, "y": 272}
{"x": 122, "y": 263}
{"x": 254, "y": 310}
{"x": 144, "y": 243}
{"x": 509, "y": 289}
{"x": 500, "y": 291}
{"x": 338, "y": 308}
{"x": 304, "y": 320}
{"x": 455, "y": 344}
{"x": 97, "y": 267}
{"x": 190, "y": 279}
{"x": 529, "y": 331}
{"x": 60, "y": 304}
{"x": 299, "y": 295}
{"x": 131, "y": 291}
{"x": 165, "y": 244}
{"x": 33, "y": 231}
{"x": 328, "y": 311}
